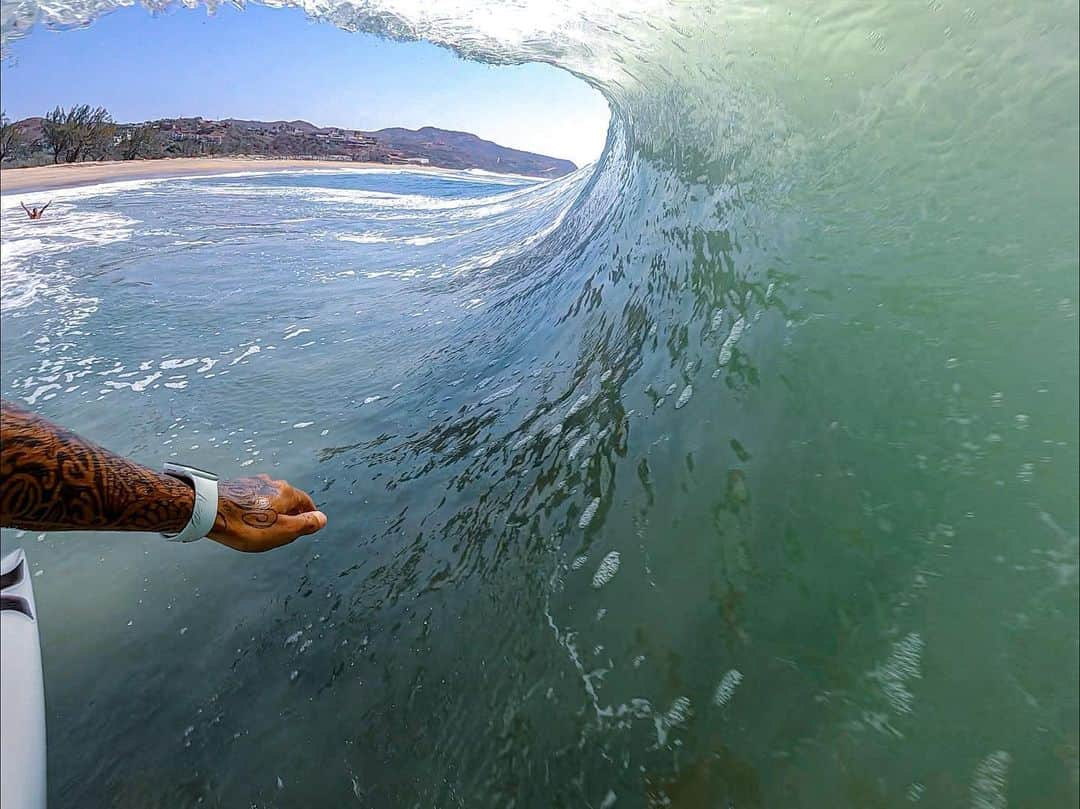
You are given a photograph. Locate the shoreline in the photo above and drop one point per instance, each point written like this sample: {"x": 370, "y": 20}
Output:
{"x": 74, "y": 175}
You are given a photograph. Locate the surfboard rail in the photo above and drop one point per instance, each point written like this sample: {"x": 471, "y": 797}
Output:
{"x": 22, "y": 693}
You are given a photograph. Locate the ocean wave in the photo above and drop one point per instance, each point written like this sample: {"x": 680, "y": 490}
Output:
{"x": 755, "y": 353}
{"x": 30, "y": 249}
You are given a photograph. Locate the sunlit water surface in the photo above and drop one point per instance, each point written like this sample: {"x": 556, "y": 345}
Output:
{"x": 740, "y": 469}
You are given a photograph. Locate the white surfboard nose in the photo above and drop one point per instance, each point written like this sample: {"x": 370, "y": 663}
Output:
{"x": 22, "y": 695}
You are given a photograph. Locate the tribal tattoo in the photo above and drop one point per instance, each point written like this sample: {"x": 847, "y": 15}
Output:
{"x": 248, "y": 500}
{"x": 51, "y": 479}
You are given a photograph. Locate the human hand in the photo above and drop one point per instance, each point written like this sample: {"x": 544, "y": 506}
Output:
{"x": 258, "y": 514}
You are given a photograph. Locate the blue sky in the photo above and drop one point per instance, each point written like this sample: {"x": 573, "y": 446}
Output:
{"x": 272, "y": 64}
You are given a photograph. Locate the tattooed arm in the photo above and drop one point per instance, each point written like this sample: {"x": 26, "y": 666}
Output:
{"x": 53, "y": 480}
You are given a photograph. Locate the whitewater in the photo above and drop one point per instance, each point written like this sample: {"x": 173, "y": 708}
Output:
{"x": 739, "y": 468}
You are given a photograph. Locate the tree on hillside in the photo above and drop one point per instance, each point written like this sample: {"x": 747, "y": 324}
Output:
{"x": 11, "y": 137}
{"x": 138, "y": 141}
{"x": 56, "y": 133}
{"x": 78, "y": 133}
{"x": 99, "y": 140}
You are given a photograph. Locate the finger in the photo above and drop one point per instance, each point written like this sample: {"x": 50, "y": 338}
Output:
{"x": 302, "y": 502}
{"x": 291, "y": 500}
{"x": 298, "y": 525}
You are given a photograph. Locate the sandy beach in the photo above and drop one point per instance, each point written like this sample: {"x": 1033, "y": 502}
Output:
{"x": 72, "y": 175}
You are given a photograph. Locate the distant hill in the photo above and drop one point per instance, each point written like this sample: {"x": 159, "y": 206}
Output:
{"x": 428, "y": 145}
{"x": 463, "y": 150}
{"x": 31, "y": 127}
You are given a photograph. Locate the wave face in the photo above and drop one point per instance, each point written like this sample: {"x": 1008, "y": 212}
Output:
{"x": 785, "y": 385}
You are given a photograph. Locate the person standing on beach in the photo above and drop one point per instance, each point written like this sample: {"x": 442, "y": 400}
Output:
{"x": 53, "y": 480}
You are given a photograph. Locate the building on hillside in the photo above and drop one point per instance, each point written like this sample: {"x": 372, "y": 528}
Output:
{"x": 350, "y": 137}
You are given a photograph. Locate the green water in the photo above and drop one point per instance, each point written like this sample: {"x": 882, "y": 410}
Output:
{"x": 740, "y": 472}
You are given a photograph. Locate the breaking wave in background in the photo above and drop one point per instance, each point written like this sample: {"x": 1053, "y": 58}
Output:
{"x": 740, "y": 467}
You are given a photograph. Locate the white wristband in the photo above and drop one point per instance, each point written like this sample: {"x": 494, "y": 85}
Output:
{"x": 206, "y": 502}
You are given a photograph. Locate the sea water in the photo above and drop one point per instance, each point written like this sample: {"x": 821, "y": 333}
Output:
{"x": 737, "y": 469}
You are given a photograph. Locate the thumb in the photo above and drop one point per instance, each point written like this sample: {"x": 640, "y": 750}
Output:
{"x": 302, "y": 524}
